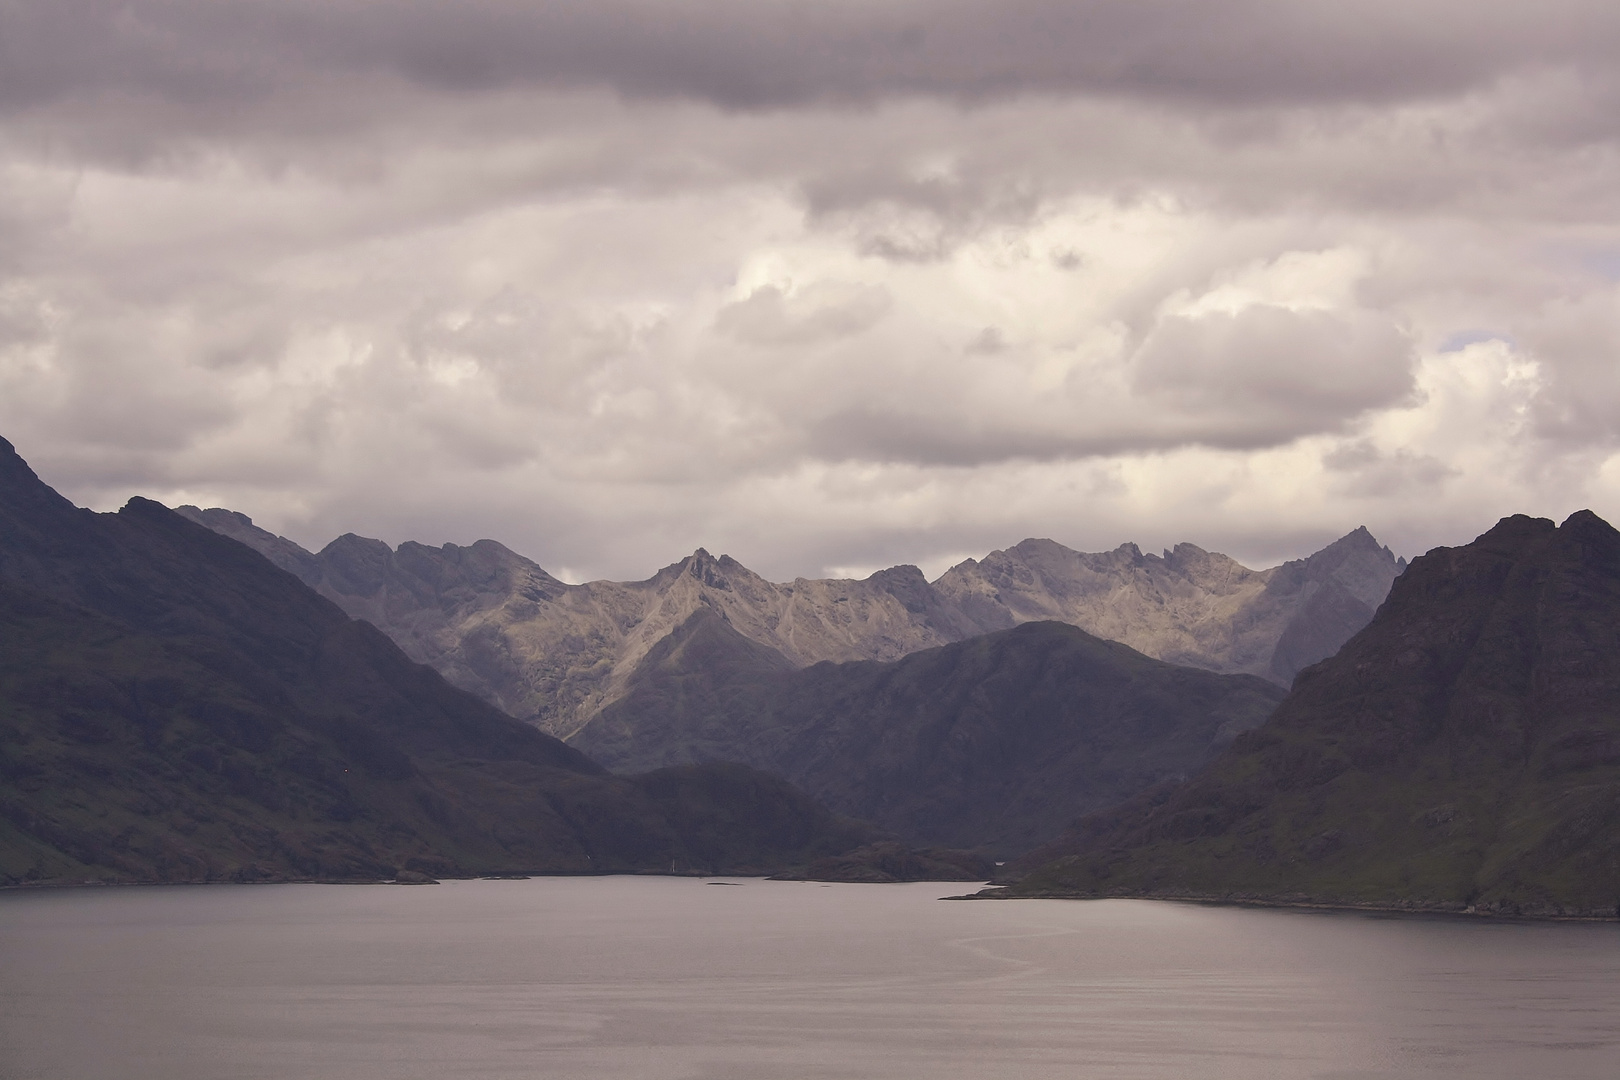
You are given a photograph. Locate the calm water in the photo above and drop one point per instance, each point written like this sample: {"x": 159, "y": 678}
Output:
{"x": 652, "y": 978}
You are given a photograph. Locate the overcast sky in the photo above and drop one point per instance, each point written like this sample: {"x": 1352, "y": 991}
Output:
{"x": 827, "y": 286}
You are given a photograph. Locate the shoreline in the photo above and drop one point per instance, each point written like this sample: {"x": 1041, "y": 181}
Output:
{"x": 423, "y": 879}
{"x": 1427, "y": 909}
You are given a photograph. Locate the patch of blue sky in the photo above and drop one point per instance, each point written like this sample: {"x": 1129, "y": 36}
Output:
{"x": 1605, "y": 263}
{"x": 1460, "y": 340}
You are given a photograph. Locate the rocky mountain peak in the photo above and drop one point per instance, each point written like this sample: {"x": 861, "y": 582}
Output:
{"x": 1358, "y": 543}
{"x": 904, "y": 574}
{"x": 1032, "y": 546}
{"x": 1584, "y": 521}
{"x": 1512, "y": 532}
{"x": 1360, "y": 536}
{"x": 1214, "y": 571}
{"x": 699, "y": 565}
{"x": 723, "y": 573}
{"x": 21, "y": 488}
{"x": 226, "y": 519}
{"x": 351, "y": 546}
{"x": 357, "y": 565}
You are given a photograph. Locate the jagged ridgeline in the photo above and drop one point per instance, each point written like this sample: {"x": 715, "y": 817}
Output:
{"x": 555, "y": 654}
{"x": 1462, "y": 751}
{"x": 175, "y": 708}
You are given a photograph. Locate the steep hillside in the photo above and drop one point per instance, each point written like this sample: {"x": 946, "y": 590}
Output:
{"x": 173, "y": 707}
{"x": 1462, "y": 751}
{"x": 996, "y": 742}
{"x": 498, "y": 625}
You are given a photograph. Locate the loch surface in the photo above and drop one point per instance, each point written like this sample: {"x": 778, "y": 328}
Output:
{"x": 653, "y": 978}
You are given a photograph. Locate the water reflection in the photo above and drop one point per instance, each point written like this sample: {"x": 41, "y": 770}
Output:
{"x": 657, "y": 978}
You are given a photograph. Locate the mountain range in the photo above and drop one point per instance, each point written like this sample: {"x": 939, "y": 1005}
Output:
{"x": 177, "y": 707}
{"x": 554, "y": 654}
{"x": 173, "y": 707}
{"x": 1461, "y": 753}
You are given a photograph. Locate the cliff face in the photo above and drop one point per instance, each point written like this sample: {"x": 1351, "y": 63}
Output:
{"x": 997, "y": 742}
{"x": 554, "y": 654}
{"x": 1461, "y": 751}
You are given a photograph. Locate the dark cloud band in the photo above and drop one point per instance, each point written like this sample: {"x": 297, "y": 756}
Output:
{"x": 771, "y": 53}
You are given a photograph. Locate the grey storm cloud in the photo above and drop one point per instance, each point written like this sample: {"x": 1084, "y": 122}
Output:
{"x": 774, "y": 53}
{"x": 1254, "y": 378}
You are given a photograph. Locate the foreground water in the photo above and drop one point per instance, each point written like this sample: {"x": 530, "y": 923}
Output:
{"x": 652, "y": 978}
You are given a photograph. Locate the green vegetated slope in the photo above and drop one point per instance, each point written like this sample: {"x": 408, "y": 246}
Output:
{"x": 998, "y": 742}
{"x": 175, "y": 708}
{"x": 1461, "y": 751}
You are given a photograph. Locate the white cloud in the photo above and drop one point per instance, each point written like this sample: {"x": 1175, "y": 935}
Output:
{"x": 826, "y": 310}
{"x": 1266, "y": 373}
{"x": 898, "y": 299}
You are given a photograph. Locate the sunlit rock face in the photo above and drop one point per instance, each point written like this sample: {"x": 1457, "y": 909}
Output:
{"x": 1188, "y": 606}
{"x": 554, "y": 654}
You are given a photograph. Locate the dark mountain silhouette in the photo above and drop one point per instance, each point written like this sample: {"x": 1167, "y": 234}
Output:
{"x": 1461, "y": 752}
{"x": 174, "y": 707}
{"x": 997, "y": 742}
